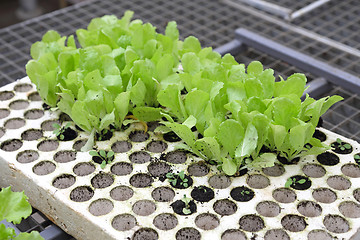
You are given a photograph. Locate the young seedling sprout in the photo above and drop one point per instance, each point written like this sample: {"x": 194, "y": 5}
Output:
{"x": 59, "y": 131}
{"x": 186, "y": 210}
{"x": 105, "y": 157}
{"x": 343, "y": 146}
{"x": 291, "y": 181}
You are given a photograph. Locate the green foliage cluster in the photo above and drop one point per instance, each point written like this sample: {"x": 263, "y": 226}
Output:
{"x": 14, "y": 207}
{"x": 59, "y": 131}
{"x": 126, "y": 65}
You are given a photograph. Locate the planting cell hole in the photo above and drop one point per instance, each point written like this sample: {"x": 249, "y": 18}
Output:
{"x": 141, "y": 180}
{"x": 156, "y": 146}
{"x": 19, "y": 104}
{"x": 309, "y": 209}
{"x": 251, "y": 223}
{"x": 319, "y": 135}
{"x": 48, "y": 145}
{"x": 101, "y": 207}
{"x": 341, "y": 147}
{"x": 79, "y": 144}
{"x": 152, "y": 125}
{"x": 123, "y": 222}
{"x": 268, "y": 209}
{"x": 14, "y": 123}
{"x": 207, "y": 221}
{"x": 81, "y": 194}
{"x": 276, "y": 234}
{"x": 188, "y": 233}
{"x": 104, "y": 135}
{"x": 35, "y": 96}
{"x": 31, "y": 135}
{"x": 176, "y": 157}
{"x": 121, "y": 193}
{"x": 319, "y": 234}
{"x": 232, "y": 234}
{"x": 63, "y": 181}
{"x": 165, "y": 221}
{"x": 350, "y": 209}
{"x": 293, "y": 223}
{"x": 158, "y": 169}
{"x": 180, "y": 180}
{"x": 299, "y": 182}
{"x": 356, "y": 194}
{"x": 257, "y": 181}
{"x": 179, "y": 205}
{"x": 163, "y": 194}
{"x": 27, "y": 156}
{"x": 138, "y": 136}
{"x": 33, "y": 114}
{"x": 225, "y": 207}
{"x": 24, "y": 87}
{"x": 83, "y": 169}
{"x": 44, "y": 168}
{"x": 11, "y": 145}
{"x": 284, "y": 195}
{"x": 336, "y": 224}
{"x": 65, "y": 156}
{"x": 145, "y": 234}
{"x": 314, "y": 170}
{"x": 102, "y": 180}
{"x": 242, "y": 194}
{"x": 121, "y": 168}
{"x": 219, "y": 181}
{"x": 351, "y": 170}
{"x": 324, "y": 195}
{"x": 4, "y": 113}
{"x": 6, "y": 95}
{"x": 198, "y": 169}
{"x": 64, "y": 117}
{"x": 171, "y": 137}
{"x": 68, "y": 135}
{"x": 2, "y": 132}
{"x": 48, "y": 125}
{"x": 140, "y": 157}
{"x": 274, "y": 171}
{"x": 144, "y": 207}
{"x": 286, "y": 161}
{"x": 328, "y": 159}
{"x": 202, "y": 194}
{"x": 338, "y": 182}
{"x": 121, "y": 146}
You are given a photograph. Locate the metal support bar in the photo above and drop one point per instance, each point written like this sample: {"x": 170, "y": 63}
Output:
{"x": 298, "y": 59}
{"x": 317, "y": 87}
{"x": 234, "y": 48}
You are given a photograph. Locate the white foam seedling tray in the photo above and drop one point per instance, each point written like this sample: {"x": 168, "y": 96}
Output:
{"x": 111, "y": 203}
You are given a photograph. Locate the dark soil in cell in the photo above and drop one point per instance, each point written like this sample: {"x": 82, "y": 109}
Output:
{"x": 157, "y": 146}
{"x": 152, "y": 125}
{"x": 105, "y": 135}
{"x": 225, "y": 207}
{"x": 144, "y": 207}
{"x": 138, "y": 136}
{"x": 286, "y": 161}
{"x": 99, "y": 160}
{"x": 324, "y": 195}
{"x": 4, "y": 113}
{"x": 159, "y": 169}
{"x": 123, "y": 222}
{"x": 145, "y": 234}
{"x": 198, "y": 169}
{"x": 242, "y": 194}
{"x": 207, "y": 221}
{"x": 179, "y": 205}
{"x": 141, "y": 180}
{"x": 45, "y": 106}
{"x": 299, "y": 182}
{"x": 309, "y": 209}
{"x": 68, "y": 135}
{"x": 180, "y": 183}
{"x": 19, "y": 104}
{"x": 121, "y": 193}
{"x": 293, "y": 223}
{"x": 49, "y": 125}
{"x": 328, "y": 159}
{"x": 79, "y": 144}
{"x": 64, "y": 117}
{"x": 23, "y": 87}
{"x": 140, "y": 157}
{"x": 44, "y": 168}
{"x": 64, "y": 181}
{"x": 341, "y": 147}
{"x": 319, "y": 135}
{"x": 276, "y": 234}
{"x": 11, "y": 145}
{"x": 284, "y": 195}
{"x": 121, "y": 168}
{"x": 35, "y": 96}
{"x": 320, "y": 123}
{"x": 32, "y": 134}
{"x": 187, "y": 234}
{"x": 83, "y": 169}
{"x": 165, "y": 221}
{"x": 48, "y": 145}
{"x": 6, "y": 95}
{"x": 14, "y": 123}
{"x": 232, "y": 234}
{"x": 202, "y": 194}
{"x": 251, "y": 223}
{"x": 65, "y": 156}
{"x": 27, "y": 156}
{"x": 171, "y": 137}
{"x": 121, "y": 146}
{"x": 101, "y": 207}
{"x": 82, "y": 194}
{"x": 176, "y": 157}
{"x": 33, "y": 114}
{"x": 219, "y": 181}
{"x": 102, "y": 180}
{"x": 336, "y": 224}
{"x": 163, "y": 194}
